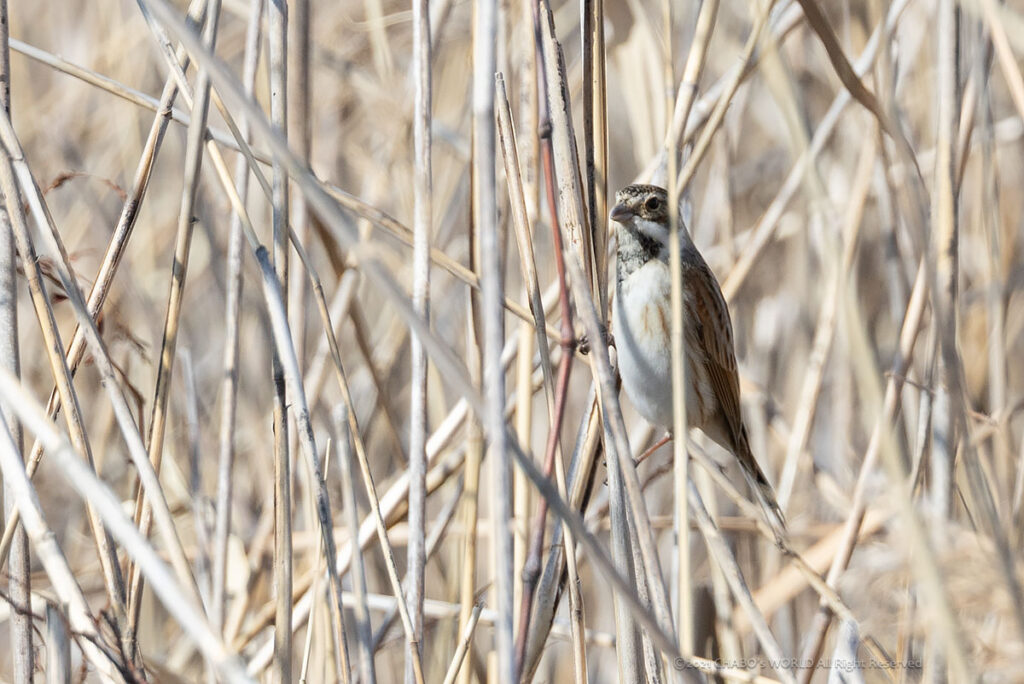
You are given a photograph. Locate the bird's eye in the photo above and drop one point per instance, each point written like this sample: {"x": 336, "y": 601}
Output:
{"x": 652, "y": 204}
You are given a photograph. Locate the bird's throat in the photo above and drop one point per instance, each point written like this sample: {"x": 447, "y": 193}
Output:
{"x": 635, "y": 249}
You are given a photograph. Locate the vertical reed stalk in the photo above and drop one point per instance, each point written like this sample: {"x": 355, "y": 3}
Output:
{"x": 423, "y": 191}
{"x": 485, "y": 220}
{"x": 19, "y": 587}
{"x": 229, "y": 384}
{"x": 277, "y": 28}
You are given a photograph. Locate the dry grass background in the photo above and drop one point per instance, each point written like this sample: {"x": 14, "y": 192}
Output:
{"x": 869, "y": 409}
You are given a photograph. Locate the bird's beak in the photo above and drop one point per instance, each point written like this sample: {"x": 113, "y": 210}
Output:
{"x": 621, "y": 213}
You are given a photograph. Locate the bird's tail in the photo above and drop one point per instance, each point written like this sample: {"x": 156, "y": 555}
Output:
{"x": 762, "y": 489}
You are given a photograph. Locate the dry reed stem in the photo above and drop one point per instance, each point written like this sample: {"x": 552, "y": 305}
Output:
{"x": 681, "y": 468}
{"x": 182, "y": 248}
{"x": 423, "y": 208}
{"x": 229, "y": 386}
{"x": 19, "y": 587}
{"x": 463, "y": 647}
{"x": 81, "y": 479}
{"x": 364, "y": 631}
{"x": 165, "y": 112}
{"x": 277, "y": 33}
{"x": 58, "y": 647}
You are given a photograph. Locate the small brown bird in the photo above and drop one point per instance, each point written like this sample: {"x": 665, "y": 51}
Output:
{"x": 642, "y": 325}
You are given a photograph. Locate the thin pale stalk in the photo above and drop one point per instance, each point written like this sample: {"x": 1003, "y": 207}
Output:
{"x": 464, "y": 641}
{"x": 485, "y": 222}
{"x": 300, "y": 119}
{"x": 474, "y": 445}
{"x": 229, "y": 384}
{"x": 364, "y": 632}
{"x": 58, "y": 646}
{"x": 945, "y": 248}
{"x": 595, "y": 131}
{"x": 19, "y": 586}
{"x": 437, "y": 531}
{"x": 423, "y": 207}
{"x": 311, "y": 623}
{"x": 681, "y": 461}
{"x": 277, "y": 32}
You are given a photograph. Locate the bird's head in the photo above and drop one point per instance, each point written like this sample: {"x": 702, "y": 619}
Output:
{"x": 643, "y": 209}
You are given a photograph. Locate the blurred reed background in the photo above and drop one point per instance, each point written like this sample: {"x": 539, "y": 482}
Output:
{"x": 850, "y": 170}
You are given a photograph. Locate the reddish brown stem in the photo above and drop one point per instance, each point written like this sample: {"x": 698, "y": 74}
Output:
{"x": 531, "y": 570}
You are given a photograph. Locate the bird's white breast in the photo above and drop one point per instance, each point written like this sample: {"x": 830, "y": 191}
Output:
{"x": 642, "y": 327}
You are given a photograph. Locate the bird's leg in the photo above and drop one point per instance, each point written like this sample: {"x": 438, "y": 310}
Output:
{"x": 649, "y": 451}
{"x": 654, "y": 447}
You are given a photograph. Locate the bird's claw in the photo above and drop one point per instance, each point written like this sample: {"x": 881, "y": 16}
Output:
{"x": 584, "y": 341}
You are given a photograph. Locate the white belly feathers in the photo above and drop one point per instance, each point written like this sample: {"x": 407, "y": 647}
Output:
{"x": 642, "y": 327}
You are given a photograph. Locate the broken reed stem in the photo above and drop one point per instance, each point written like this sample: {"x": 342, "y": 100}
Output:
{"x": 474, "y": 446}
{"x": 945, "y": 248}
{"x": 556, "y": 407}
{"x": 423, "y": 204}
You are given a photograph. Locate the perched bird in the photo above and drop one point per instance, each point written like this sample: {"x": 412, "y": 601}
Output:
{"x": 642, "y": 326}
